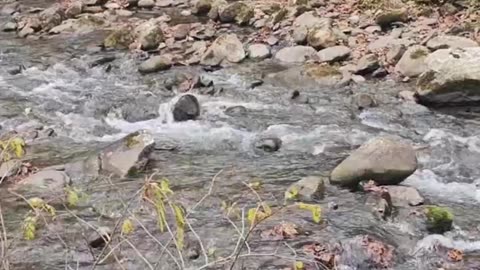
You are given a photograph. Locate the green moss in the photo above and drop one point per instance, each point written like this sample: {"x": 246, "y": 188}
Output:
{"x": 320, "y": 71}
{"x": 119, "y": 39}
{"x": 439, "y": 219}
{"x": 418, "y": 54}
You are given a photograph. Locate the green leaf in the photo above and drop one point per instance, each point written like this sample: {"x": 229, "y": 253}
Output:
{"x": 299, "y": 265}
{"x": 72, "y": 197}
{"x": 18, "y": 145}
{"x": 316, "y": 211}
{"x": 291, "y": 193}
{"x": 127, "y": 226}
{"x": 29, "y": 227}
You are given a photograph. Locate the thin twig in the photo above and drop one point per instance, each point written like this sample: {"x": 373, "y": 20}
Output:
{"x": 5, "y": 264}
{"x": 138, "y": 253}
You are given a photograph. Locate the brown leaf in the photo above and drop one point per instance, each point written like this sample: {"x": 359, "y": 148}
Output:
{"x": 321, "y": 253}
{"x": 281, "y": 232}
{"x": 379, "y": 252}
{"x": 455, "y": 255}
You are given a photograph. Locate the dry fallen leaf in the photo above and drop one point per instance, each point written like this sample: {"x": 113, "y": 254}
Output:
{"x": 455, "y": 255}
{"x": 321, "y": 253}
{"x": 283, "y": 231}
{"x": 380, "y": 253}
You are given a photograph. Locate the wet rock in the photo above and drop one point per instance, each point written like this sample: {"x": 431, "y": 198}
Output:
{"x": 364, "y": 101}
{"x": 9, "y": 27}
{"x": 258, "y": 51}
{"x": 407, "y": 96}
{"x": 380, "y": 73}
{"x": 143, "y": 107}
{"x": 186, "y": 108}
{"x": 367, "y": 64}
{"x": 146, "y": 3}
{"x": 238, "y": 12}
{"x": 439, "y": 219}
{"x": 102, "y": 60}
{"x": 124, "y": 13}
{"x": 307, "y": 188}
{"x": 255, "y": 83}
{"x": 236, "y": 111}
{"x": 385, "y": 18}
{"x": 180, "y": 31}
{"x": 295, "y": 54}
{"x": 366, "y": 252}
{"x": 310, "y": 20}
{"x": 381, "y": 205}
{"x": 100, "y": 237}
{"x": 155, "y": 63}
{"x": 164, "y": 3}
{"x": 202, "y": 7}
{"x": 412, "y": 63}
{"x": 119, "y": 39}
{"x": 215, "y": 8}
{"x": 333, "y": 54}
{"x": 10, "y": 8}
{"x": 16, "y": 70}
{"x": 226, "y": 47}
{"x": 149, "y": 34}
{"x": 454, "y": 42}
{"x": 128, "y": 155}
{"x": 9, "y": 168}
{"x": 320, "y": 38}
{"x": 48, "y": 184}
{"x": 451, "y": 76}
{"x": 268, "y": 144}
{"x": 385, "y": 160}
{"x": 402, "y": 195}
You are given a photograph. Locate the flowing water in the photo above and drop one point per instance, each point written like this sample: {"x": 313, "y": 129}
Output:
{"x": 80, "y": 102}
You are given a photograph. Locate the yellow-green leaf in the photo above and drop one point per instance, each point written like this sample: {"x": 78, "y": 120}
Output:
{"x": 180, "y": 220}
{"x": 36, "y": 203}
{"x": 299, "y": 265}
{"x": 72, "y": 197}
{"x": 255, "y": 184}
{"x": 29, "y": 227}
{"x": 291, "y": 193}
{"x": 165, "y": 187}
{"x": 127, "y": 226}
{"x": 316, "y": 211}
{"x": 18, "y": 145}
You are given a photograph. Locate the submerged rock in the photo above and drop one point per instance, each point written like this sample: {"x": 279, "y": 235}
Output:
{"x": 236, "y": 111}
{"x": 9, "y": 168}
{"x": 412, "y": 63}
{"x": 268, "y": 144}
{"x": 186, "y": 108}
{"x": 295, "y": 54}
{"x": 225, "y": 48}
{"x": 439, "y": 219}
{"x": 451, "y": 76}
{"x": 385, "y": 160}
{"x": 307, "y": 188}
{"x": 47, "y": 184}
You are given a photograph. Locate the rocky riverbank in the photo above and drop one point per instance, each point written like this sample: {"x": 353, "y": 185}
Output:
{"x": 311, "y": 113}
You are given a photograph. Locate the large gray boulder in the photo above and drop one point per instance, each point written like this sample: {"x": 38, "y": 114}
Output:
{"x": 451, "y": 76}
{"x": 295, "y": 54}
{"x": 127, "y": 155}
{"x": 226, "y": 47}
{"x": 412, "y": 63}
{"x": 447, "y": 41}
{"x": 385, "y": 160}
{"x": 186, "y": 108}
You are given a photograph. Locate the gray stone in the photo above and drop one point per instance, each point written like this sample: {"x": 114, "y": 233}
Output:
{"x": 333, "y": 54}
{"x": 296, "y": 54}
{"x": 128, "y": 155}
{"x": 74, "y": 9}
{"x": 149, "y": 34}
{"x": 367, "y": 64}
{"x": 385, "y": 160}
{"x": 47, "y": 184}
{"x": 51, "y": 17}
{"x": 308, "y": 188}
{"x": 451, "y": 76}
{"x": 146, "y": 3}
{"x": 454, "y": 42}
{"x": 402, "y": 195}
{"x": 180, "y": 31}
{"x": 363, "y": 101}
{"x": 258, "y": 51}
{"x": 388, "y": 41}
{"x": 300, "y": 34}
{"x": 155, "y": 63}
{"x": 268, "y": 144}
{"x": 310, "y": 20}
{"x": 320, "y": 38}
{"x": 386, "y": 17}
{"x": 412, "y": 63}
{"x": 164, "y": 3}
{"x": 9, "y": 27}
{"x": 186, "y": 108}
{"x": 9, "y": 168}
{"x": 202, "y": 7}
{"x": 226, "y": 47}
{"x": 238, "y": 12}
{"x": 236, "y": 111}
{"x": 10, "y": 8}
{"x": 395, "y": 52}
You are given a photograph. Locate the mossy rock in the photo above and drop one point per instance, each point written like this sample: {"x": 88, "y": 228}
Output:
{"x": 419, "y": 54}
{"x": 119, "y": 39}
{"x": 439, "y": 219}
{"x": 321, "y": 71}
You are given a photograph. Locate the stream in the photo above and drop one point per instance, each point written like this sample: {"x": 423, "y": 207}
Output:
{"x": 59, "y": 89}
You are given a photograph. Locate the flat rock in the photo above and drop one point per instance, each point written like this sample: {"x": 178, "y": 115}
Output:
{"x": 412, "y": 63}
{"x": 295, "y": 54}
{"x": 451, "y": 76}
{"x": 47, "y": 184}
{"x": 307, "y": 188}
{"x": 454, "y": 42}
{"x": 146, "y": 3}
{"x": 402, "y": 195}
{"x": 385, "y": 160}
{"x": 155, "y": 63}
{"x": 258, "y": 51}
{"x": 367, "y": 64}
{"x": 333, "y": 54}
